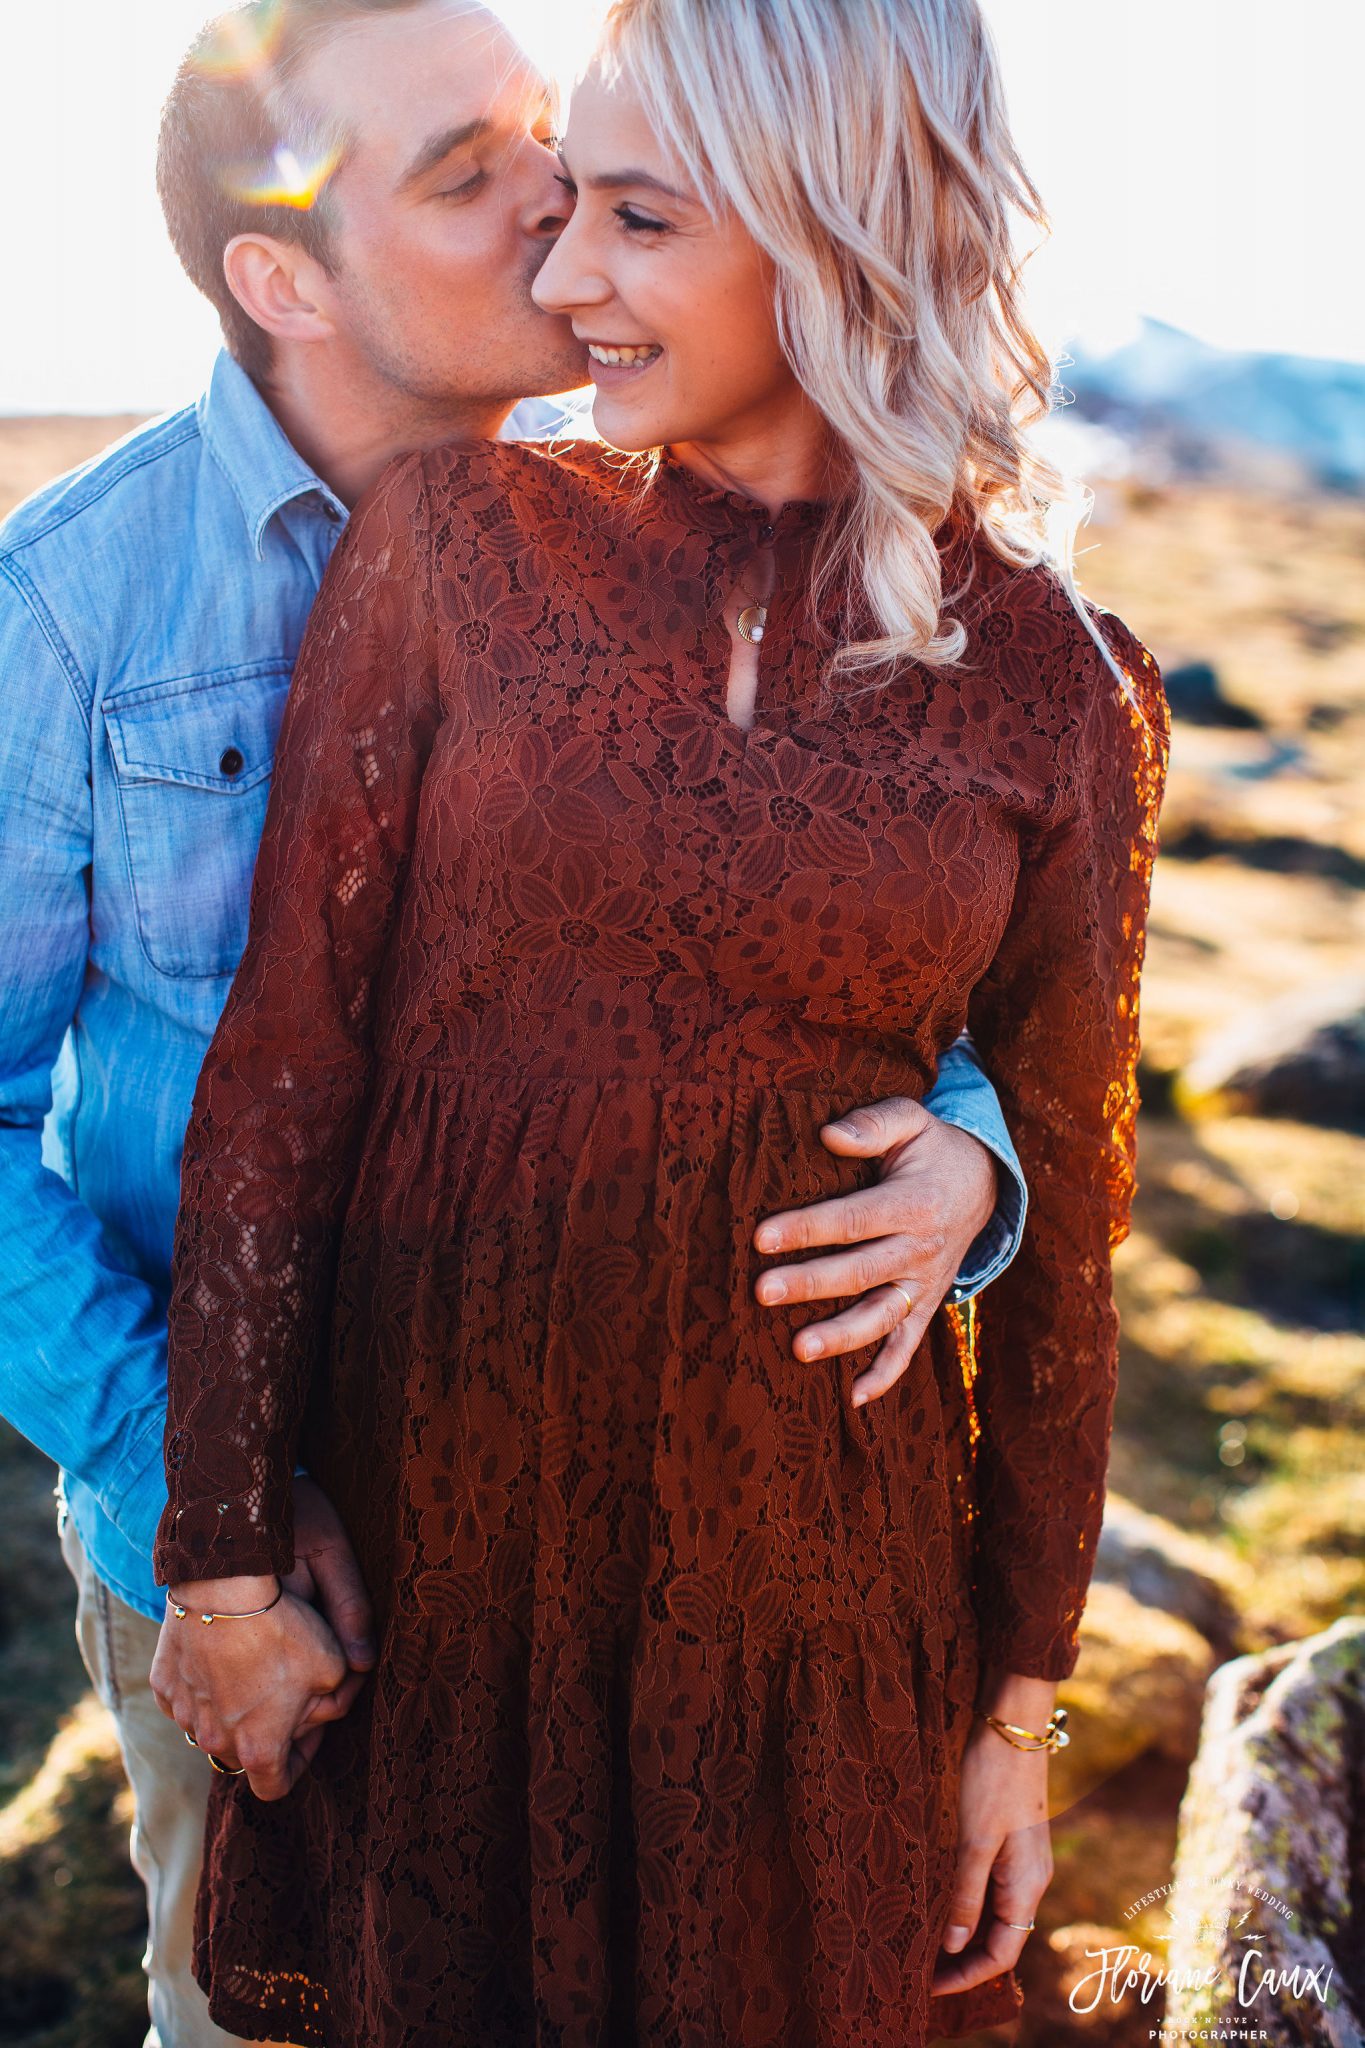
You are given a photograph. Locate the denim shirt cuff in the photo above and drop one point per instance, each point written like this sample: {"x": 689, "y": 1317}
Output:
{"x": 137, "y": 1498}
{"x": 963, "y": 1096}
{"x": 992, "y": 1250}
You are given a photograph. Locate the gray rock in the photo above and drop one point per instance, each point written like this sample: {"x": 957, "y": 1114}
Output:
{"x": 1269, "y": 1891}
{"x": 1163, "y": 1567}
{"x": 1196, "y": 695}
{"x": 1138, "y": 1688}
{"x": 1302, "y": 1057}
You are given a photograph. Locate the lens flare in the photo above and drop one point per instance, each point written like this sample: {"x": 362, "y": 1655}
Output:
{"x": 243, "y": 43}
{"x": 285, "y": 180}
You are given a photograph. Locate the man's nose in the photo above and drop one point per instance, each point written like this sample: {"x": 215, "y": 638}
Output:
{"x": 548, "y": 203}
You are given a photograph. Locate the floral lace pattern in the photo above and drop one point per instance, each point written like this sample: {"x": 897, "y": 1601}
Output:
{"x": 553, "y": 973}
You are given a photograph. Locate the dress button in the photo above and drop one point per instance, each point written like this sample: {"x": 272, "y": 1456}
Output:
{"x": 765, "y": 532}
{"x": 232, "y": 762}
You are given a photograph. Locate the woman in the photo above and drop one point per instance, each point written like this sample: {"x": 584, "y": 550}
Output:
{"x": 629, "y": 816}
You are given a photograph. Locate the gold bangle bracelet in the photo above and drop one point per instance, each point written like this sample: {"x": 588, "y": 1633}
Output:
{"x": 1054, "y": 1736}
{"x": 246, "y": 1614}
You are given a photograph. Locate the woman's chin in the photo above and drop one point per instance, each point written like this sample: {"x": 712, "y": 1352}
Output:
{"x": 631, "y": 427}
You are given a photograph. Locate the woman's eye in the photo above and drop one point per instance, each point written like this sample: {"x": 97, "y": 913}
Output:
{"x": 640, "y": 223}
{"x": 567, "y": 183}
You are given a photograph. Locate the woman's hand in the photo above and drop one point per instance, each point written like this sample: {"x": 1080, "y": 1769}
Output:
{"x": 255, "y": 1692}
{"x": 1003, "y": 1840}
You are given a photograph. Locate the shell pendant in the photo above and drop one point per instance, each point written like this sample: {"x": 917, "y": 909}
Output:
{"x": 751, "y": 623}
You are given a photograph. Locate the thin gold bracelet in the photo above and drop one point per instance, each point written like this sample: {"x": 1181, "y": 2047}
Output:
{"x": 246, "y": 1614}
{"x": 1054, "y": 1736}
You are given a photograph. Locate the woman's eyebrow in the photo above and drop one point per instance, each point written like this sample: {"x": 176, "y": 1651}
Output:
{"x": 616, "y": 181}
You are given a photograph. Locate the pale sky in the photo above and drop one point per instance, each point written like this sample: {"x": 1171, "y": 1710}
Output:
{"x": 1201, "y": 160}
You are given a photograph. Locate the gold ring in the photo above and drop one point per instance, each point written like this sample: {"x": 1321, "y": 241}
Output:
{"x": 909, "y": 1299}
{"x": 227, "y": 1770}
{"x": 189, "y": 1738}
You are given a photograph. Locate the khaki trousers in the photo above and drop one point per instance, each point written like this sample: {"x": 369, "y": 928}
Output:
{"x": 170, "y": 1783}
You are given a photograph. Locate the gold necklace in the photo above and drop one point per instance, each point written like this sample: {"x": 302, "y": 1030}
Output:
{"x": 753, "y": 618}
{"x": 752, "y": 621}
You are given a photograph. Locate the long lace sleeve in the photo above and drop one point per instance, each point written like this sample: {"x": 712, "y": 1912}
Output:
{"x": 271, "y": 1147}
{"x": 1056, "y": 1024}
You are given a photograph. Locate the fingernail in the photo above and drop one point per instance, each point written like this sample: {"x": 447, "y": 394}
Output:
{"x": 362, "y": 1653}
{"x": 769, "y": 1240}
{"x": 955, "y": 1937}
{"x": 774, "y": 1290}
{"x": 859, "y": 1400}
{"x": 811, "y": 1347}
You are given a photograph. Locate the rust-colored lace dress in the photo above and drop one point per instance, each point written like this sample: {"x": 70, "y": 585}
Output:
{"x": 554, "y": 972}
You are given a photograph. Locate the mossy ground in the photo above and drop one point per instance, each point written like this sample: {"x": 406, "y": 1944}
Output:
{"x": 1242, "y": 1396}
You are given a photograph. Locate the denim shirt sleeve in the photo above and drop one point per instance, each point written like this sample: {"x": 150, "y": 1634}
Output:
{"x": 82, "y": 1341}
{"x": 963, "y": 1095}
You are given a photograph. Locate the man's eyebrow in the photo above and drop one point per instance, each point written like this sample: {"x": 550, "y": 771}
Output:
{"x": 437, "y": 148}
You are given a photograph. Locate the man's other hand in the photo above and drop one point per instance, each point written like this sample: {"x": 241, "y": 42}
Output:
{"x": 327, "y": 1574}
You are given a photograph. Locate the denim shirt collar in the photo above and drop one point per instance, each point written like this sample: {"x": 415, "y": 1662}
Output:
{"x": 263, "y": 467}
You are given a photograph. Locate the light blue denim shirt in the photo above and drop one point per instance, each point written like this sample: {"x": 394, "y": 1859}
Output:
{"x": 151, "y": 606}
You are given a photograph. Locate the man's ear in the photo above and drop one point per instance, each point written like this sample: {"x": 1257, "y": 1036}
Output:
{"x": 280, "y": 285}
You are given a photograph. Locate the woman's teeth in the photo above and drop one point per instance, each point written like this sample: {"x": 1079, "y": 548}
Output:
{"x": 601, "y": 354}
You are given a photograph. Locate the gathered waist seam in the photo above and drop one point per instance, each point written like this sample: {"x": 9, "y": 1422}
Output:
{"x": 912, "y": 1084}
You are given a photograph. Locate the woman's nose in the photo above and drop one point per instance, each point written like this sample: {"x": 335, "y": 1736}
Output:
{"x": 565, "y": 281}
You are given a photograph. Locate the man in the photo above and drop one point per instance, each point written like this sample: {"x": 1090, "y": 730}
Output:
{"x": 365, "y": 193}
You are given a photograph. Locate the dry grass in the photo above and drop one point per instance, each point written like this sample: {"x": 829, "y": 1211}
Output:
{"x": 1242, "y": 1404}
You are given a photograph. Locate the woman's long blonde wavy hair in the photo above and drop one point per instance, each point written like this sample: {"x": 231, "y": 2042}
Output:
{"x": 864, "y": 145}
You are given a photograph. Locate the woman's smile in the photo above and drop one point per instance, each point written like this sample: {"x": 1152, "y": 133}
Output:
{"x": 617, "y": 360}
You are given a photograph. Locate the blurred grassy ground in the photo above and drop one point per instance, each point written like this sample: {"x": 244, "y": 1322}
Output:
{"x": 1242, "y": 1392}
{"x": 1241, "y": 1403}
{"x": 71, "y": 1910}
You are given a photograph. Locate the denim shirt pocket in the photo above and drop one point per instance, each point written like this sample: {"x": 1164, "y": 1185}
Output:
{"x": 192, "y": 760}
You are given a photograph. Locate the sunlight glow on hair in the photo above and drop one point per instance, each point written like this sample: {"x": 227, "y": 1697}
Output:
{"x": 558, "y": 35}
{"x": 286, "y": 180}
{"x": 244, "y": 43}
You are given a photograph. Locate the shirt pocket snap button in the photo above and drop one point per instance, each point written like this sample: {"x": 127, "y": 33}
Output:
{"x": 191, "y": 760}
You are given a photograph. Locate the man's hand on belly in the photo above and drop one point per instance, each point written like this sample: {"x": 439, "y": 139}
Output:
{"x": 914, "y": 1226}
